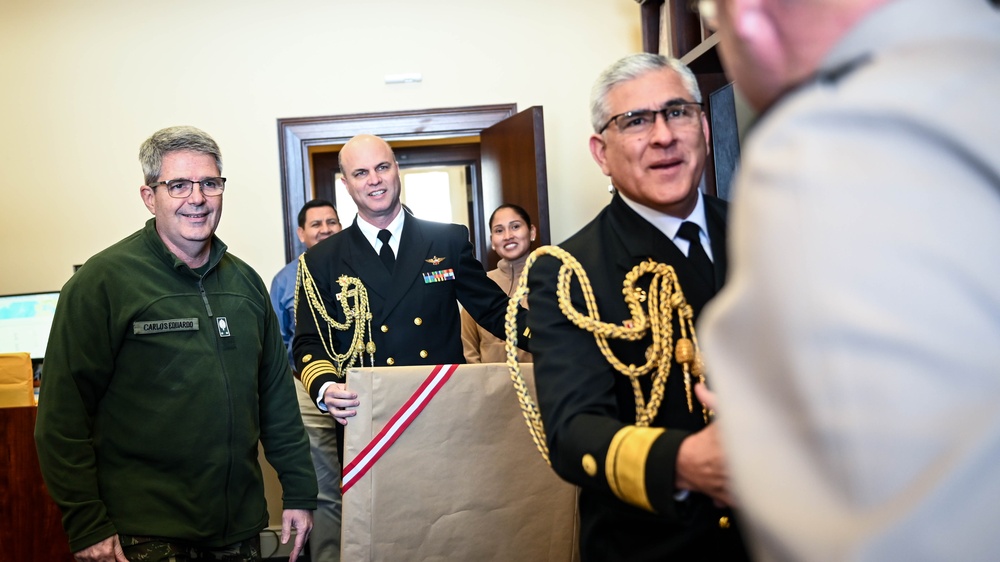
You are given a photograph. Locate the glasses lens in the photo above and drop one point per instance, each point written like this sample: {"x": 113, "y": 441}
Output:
{"x": 681, "y": 115}
{"x": 179, "y": 188}
{"x": 212, "y": 186}
{"x": 635, "y": 121}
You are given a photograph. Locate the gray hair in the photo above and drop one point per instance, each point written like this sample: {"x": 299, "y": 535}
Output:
{"x": 173, "y": 139}
{"x": 630, "y": 68}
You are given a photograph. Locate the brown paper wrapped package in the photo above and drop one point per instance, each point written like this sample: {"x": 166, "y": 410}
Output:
{"x": 463, "y": 482}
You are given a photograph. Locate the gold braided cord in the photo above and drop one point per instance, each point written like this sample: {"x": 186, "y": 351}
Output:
{"x": 353, "y": 300}
{"x": 663, "y": 298}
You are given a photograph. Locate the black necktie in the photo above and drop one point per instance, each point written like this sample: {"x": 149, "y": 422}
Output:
{"x": 388, "y": 258}
{"x": 696, "y": 253}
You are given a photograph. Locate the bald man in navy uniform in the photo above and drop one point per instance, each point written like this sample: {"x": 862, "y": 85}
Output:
{"x": 415, "y": 273}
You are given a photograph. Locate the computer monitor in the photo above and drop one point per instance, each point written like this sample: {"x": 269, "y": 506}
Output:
{"x": 25, "y": 321}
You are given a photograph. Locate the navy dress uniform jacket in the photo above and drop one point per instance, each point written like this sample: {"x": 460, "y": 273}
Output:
{"x": 584, "y": 402}
{"x": 414, "y": 322}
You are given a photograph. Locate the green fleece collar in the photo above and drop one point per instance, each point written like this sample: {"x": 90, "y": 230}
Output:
{"x": 216, "y": 251}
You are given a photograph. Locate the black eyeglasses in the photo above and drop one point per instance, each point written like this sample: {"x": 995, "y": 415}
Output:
{"x": 179, "y": 189}
{"x": 676, "y": 116}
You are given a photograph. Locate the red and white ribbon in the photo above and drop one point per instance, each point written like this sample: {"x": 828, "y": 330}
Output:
{"x": 396, "y": 426}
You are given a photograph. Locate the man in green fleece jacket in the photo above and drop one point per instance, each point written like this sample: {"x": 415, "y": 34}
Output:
{"x": 165, "y": 368}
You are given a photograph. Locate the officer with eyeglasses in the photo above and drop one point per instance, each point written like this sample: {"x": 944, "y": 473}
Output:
{"x": 165, "y": 369}
{"x": 656, "y": 491}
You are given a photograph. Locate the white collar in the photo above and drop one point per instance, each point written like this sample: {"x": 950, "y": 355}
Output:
{"x": 669, "y": 225}
{"x": 370, "y": 231}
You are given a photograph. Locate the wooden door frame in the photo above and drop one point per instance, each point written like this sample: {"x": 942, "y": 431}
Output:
{"x": 297, "y": 135}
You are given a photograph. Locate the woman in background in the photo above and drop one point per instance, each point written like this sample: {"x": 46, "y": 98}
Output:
{"x": 511, "y": 234}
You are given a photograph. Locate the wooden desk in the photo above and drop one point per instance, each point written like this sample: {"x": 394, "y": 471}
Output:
{"x": 30, "y": 523}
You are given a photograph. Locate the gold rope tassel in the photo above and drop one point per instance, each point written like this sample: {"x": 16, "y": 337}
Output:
{"x": 353, "y": 300}
{"x": 662, "y": 299}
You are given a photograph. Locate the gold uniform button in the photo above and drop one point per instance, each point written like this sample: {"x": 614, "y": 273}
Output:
{"x": 590, "y": 465}
{"x": 723, "y": 522}
{"x": 423, "y": 354}
{"x": 307, "y": 358}
{"x": 384, "y": 328}
{"x": 390, "y": 361}
{"x": 418, "y": 320}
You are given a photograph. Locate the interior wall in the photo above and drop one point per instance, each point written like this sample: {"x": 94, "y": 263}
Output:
{"x": 86, "y": 82}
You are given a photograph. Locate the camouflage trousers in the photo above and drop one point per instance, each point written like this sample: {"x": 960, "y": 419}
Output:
{"x": 156, "y": 549}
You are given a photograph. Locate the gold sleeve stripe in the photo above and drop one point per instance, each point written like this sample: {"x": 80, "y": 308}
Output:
{"x": 315, "y": 369}
{"x": 625, "y": 466}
